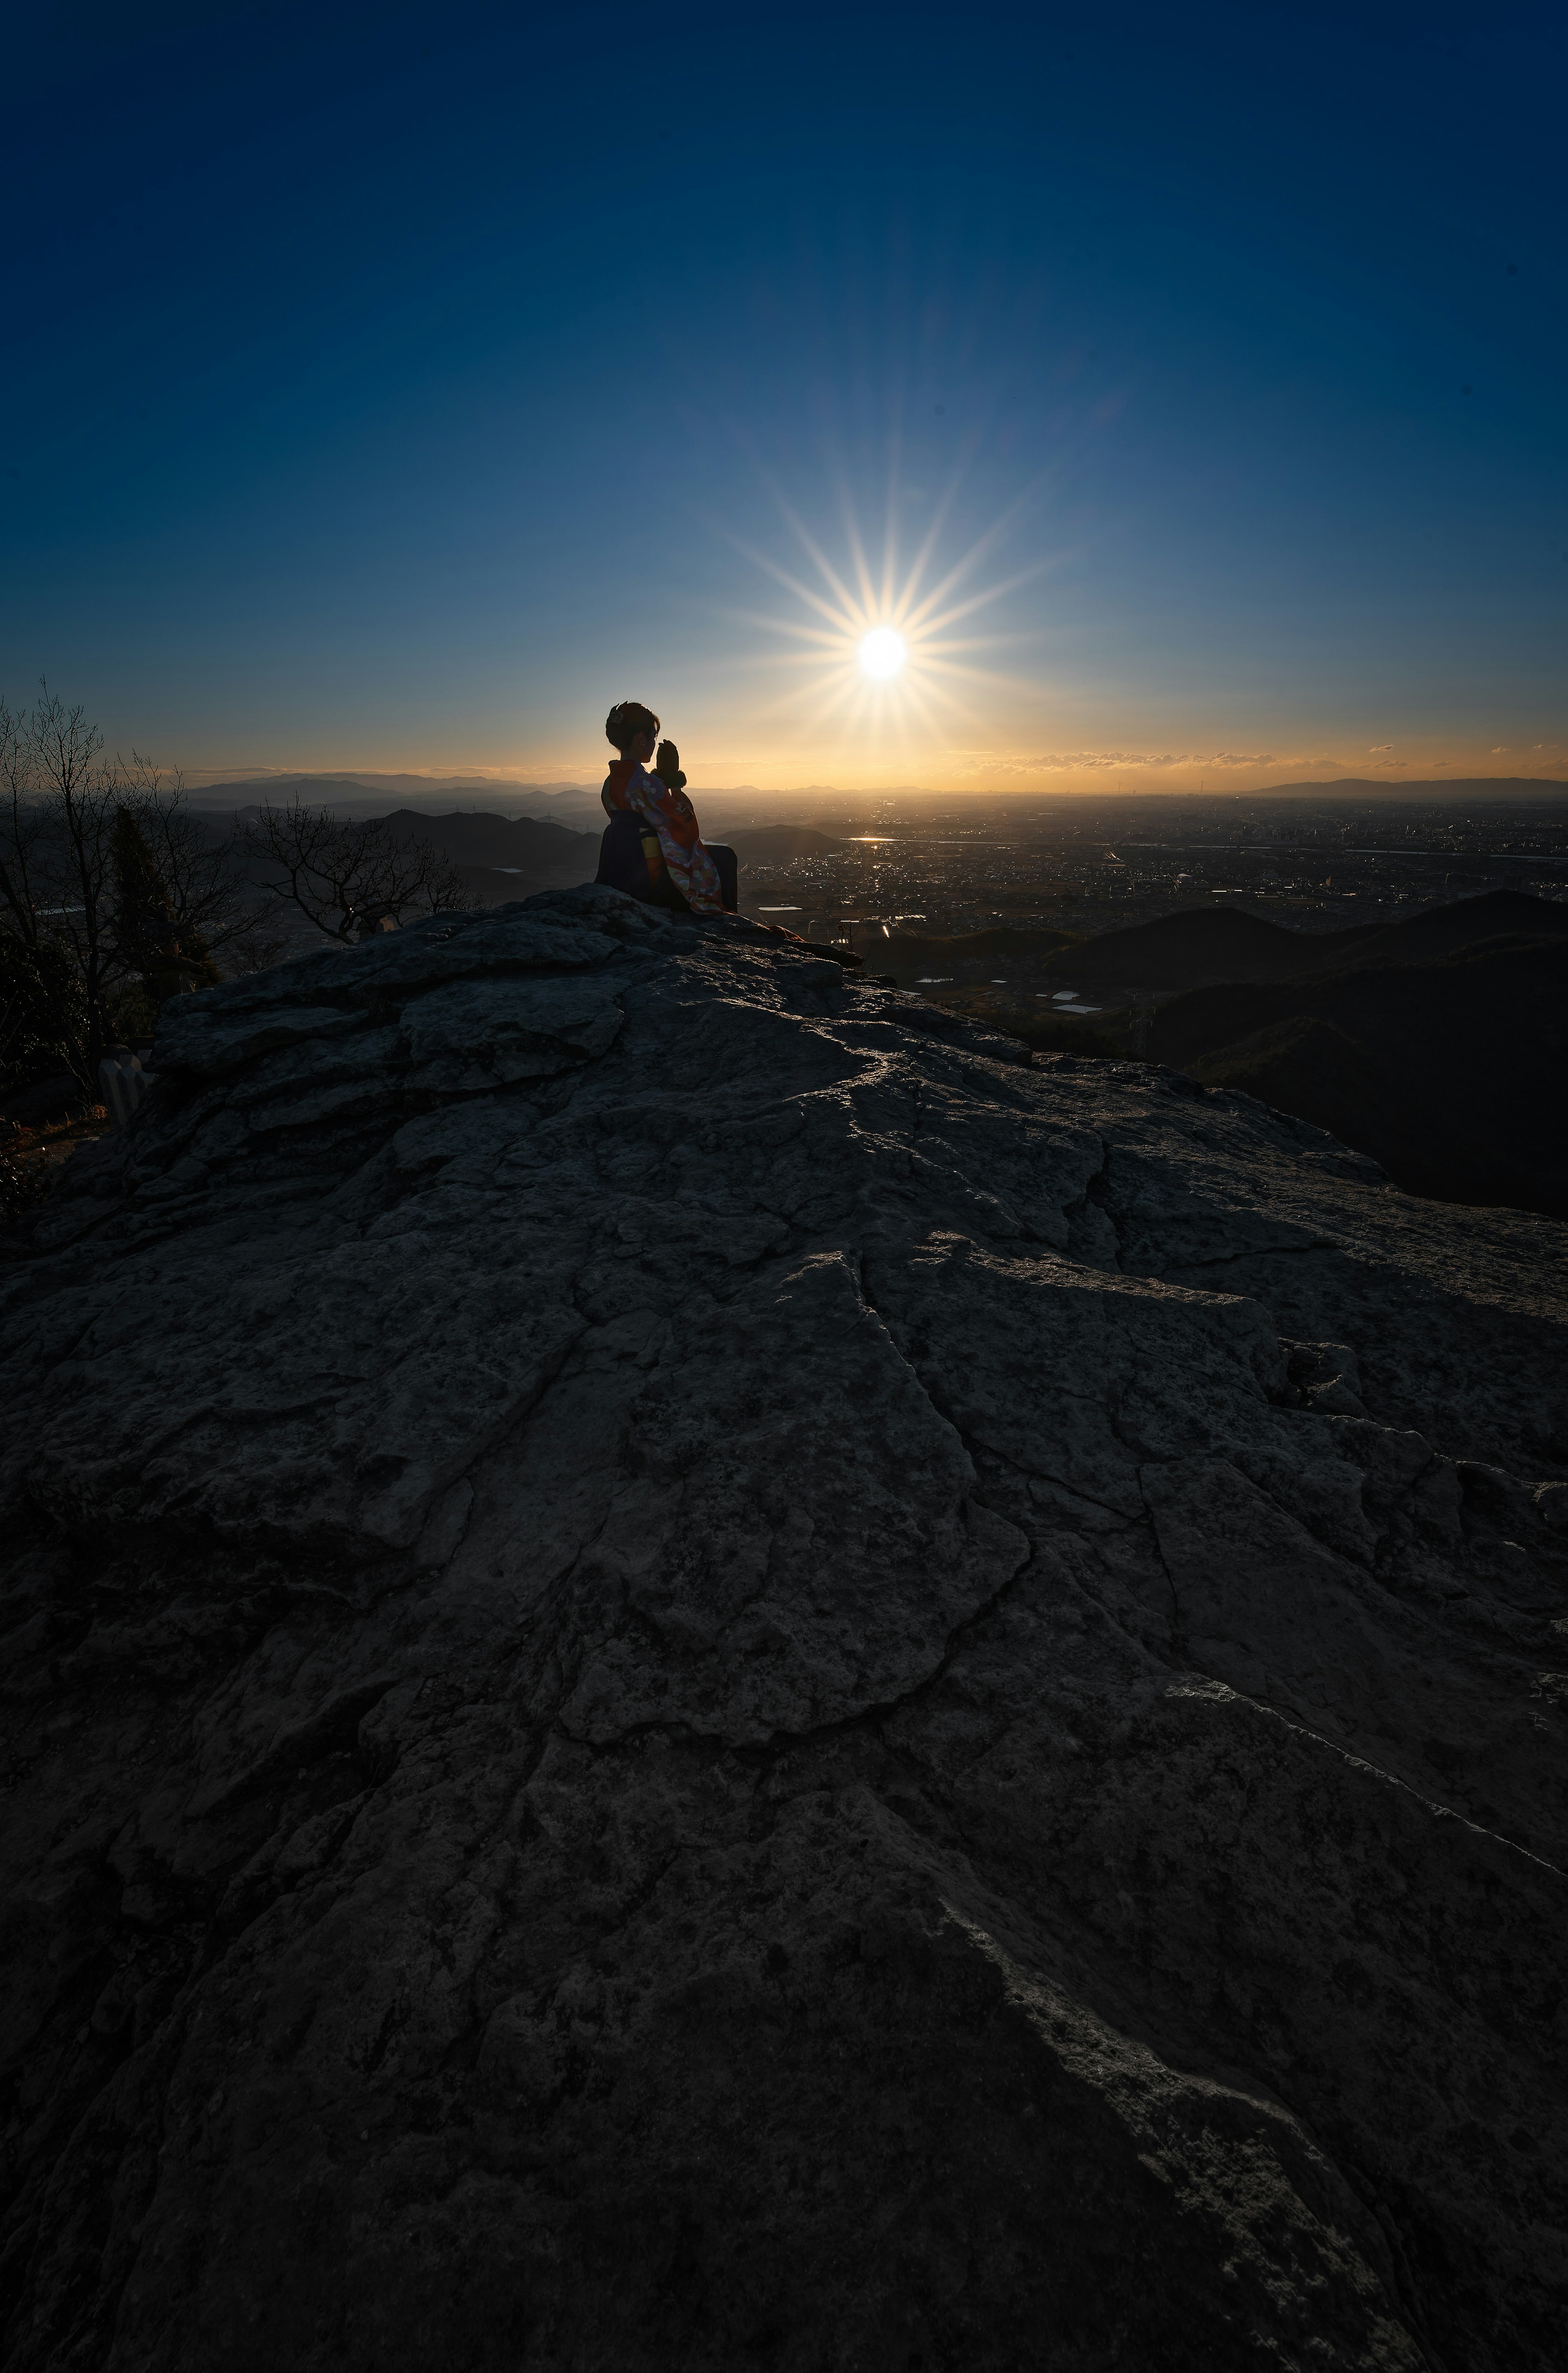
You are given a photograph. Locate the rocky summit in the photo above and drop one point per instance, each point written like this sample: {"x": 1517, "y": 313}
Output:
{"x": 704, "y": 1673}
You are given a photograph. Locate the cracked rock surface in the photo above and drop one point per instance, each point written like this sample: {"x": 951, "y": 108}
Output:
{"x": 702, "y": 1674}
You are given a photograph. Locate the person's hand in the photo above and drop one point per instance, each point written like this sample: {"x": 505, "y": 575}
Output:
{"x": 667, "y": 766}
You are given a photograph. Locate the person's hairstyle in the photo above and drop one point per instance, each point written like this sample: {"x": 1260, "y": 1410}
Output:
{"x": 626, "y": 720}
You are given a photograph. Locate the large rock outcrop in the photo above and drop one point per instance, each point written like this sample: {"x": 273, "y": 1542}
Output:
{"x": 703, "y": 1676}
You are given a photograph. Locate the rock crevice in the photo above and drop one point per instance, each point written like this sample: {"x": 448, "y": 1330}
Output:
{"x": 704, "y": 1673}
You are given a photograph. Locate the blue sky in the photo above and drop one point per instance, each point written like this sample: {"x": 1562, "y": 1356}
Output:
{"x": 398, "y": 388}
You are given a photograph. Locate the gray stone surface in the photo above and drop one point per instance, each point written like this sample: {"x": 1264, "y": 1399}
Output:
{"x": 701, "y": 1676}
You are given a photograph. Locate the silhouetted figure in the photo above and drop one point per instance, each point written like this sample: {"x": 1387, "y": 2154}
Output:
{"x": 651, "y": 847}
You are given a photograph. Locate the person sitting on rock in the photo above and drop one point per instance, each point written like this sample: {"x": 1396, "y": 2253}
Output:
{"x": 651, "y": 847}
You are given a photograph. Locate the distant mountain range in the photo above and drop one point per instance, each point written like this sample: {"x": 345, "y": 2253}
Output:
{"x": 779, "y": 844}
{"x": 502, "y": 857}
{"x": 238, "y": 789}
{"x": 499, "y": 857}
{"x": 1180, "y": 951}
{"x": 470, "y": 838}
{"x": 1471, "y": 787}
{"x": 1437, "y": 1045}
{"x": 235, "y": 787}
{"x": 1203, "y": 944}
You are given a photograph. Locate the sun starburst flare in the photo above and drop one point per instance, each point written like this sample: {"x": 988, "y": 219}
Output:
{"x": 877, "y": 646}
{"x": 884, "y": 652}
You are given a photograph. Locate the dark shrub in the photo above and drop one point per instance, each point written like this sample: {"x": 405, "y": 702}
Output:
{"x": 43, "y": 1017}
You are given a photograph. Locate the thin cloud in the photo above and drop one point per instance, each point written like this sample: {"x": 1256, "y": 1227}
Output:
{"x": 1064, "y": 761}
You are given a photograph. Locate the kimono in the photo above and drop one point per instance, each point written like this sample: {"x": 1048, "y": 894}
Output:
{"x": 631, "y": 789}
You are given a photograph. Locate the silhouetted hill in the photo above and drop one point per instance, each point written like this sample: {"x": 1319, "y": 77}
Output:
{"x": 909, "y": 954}
{"x": 550, "y": 855}
{"x": 1448, "y": 1071}
{"x": 357, "y": 797}
{"x": 500, "y": 856}
{"x": 777, "y": 843}
{"x": 1442, "y": 931}
{"x": 1473, "y": 787}
{"x": 313, "y": 791}
{"x": 1204, "y": 943}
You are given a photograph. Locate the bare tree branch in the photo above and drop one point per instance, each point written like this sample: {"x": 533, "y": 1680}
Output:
{"x": 346, "y": 877}
{"x": 21, "y": 826}
{"x": 61, "y": 841}
{"x": 110, "y": 884}
{"x": 102, "y": 864}
{"x": 258, "y": 943}
{"x": 203, "y": 877}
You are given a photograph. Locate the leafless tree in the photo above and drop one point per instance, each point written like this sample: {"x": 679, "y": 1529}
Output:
{"x": 61, "y": 891}
{"x": 258, "y": 942}
{"x": 21, "y": 826}
{"x": 201, "y": 871}
{"x": 56, "y": 849}
{"x": 119, "y": 895}
{"x": 348, "y": 876}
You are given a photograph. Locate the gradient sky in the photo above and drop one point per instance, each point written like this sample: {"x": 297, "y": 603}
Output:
{"x": 397, "y": 387}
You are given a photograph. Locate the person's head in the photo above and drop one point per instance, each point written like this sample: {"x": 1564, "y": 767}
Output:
{"x": 633, "y": 729}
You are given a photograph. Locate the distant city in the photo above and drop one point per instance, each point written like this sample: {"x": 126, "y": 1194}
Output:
{"x": 1091, "y": 865}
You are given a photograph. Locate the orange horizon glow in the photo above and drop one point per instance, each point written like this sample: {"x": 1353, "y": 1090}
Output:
{"x": 931, "y": 772}
{"x": 884, "y": 678}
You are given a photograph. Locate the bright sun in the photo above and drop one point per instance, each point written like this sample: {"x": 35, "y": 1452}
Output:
{"x": 883, "y": 653}
{"x": 877, "y": 643}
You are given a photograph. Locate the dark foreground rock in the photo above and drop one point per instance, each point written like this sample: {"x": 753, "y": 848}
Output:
{"x": 700, "y": 1678}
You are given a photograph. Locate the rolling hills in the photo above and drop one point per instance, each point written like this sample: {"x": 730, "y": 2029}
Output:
{"x": 1443, "y": 1062}
{"x": 778, "y": 844}
{"x": 1203, "y": 943}
{"x": 504, "y": 857}
{"x": 1200, "y": 945}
